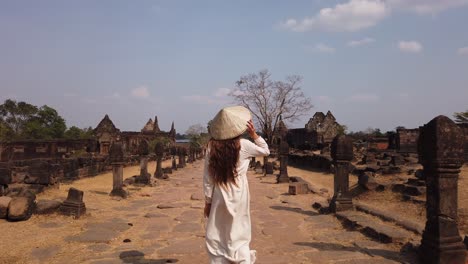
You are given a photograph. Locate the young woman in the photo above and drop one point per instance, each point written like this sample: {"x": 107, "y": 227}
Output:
{"x": 227, "y": 205}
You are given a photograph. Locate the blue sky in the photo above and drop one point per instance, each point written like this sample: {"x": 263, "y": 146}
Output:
{"x": 373, "y": 63}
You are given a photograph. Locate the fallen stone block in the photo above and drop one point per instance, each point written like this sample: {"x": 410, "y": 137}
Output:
{"x": 296, "y": 188}
{"x": 21, "y": 208}
{"x": 414, "y": 190}
{"x": 74, "y": 204}
{"x": 47, "y": 206}
{"x": 398, "y": 187}
{"x": 416, "y": 182}
{"x": 4, "y": 203}
{"x": 5, "y": 176}
{"x": 367, "y": 181}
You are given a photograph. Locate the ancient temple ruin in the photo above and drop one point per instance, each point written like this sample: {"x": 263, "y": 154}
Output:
{"x": 106, "y": 133}
{"x": 319, "y": 131}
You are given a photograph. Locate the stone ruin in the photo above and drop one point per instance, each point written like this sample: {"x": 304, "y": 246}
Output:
{"x": 73, "y": 205}
{"x": 116, "y": 158}
{"x": 318, "y": 132}
{"x": 342, "y": 154}
{"x": 440, "y": 147}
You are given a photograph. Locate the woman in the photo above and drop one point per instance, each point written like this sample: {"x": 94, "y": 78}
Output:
{"x": 227, "y": 205}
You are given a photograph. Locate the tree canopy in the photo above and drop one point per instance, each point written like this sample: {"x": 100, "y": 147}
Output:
{"x": 197, "y": 135}
{"x": 21, "y": 120}
{"x": 268, "y": 100}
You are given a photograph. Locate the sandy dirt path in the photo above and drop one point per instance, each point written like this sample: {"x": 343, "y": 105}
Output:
{"x": 164, "y": 224}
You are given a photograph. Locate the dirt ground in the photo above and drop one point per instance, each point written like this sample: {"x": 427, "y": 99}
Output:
{"x": 393, "y": 201}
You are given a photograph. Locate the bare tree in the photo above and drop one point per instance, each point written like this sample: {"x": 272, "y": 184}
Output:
{"x": 269, "y": 100}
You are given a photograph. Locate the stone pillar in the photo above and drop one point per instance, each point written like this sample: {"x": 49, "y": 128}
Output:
{"x": 116, "y": 157}
{"x": 159, "y": 150}
{"x": 74, "y": 204}
{"x": 342, "y": 154}
{"x": 265, "y": 161}
{"x": 182, "y": 154}
{"x": 283, "y": 153}
{"x": 440, "y": 149}
{"x": 174, "y": 163}
{"x": 143, "y": 151}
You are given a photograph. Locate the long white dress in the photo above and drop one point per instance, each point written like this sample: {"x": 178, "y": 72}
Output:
{"x": 228, "y": 231}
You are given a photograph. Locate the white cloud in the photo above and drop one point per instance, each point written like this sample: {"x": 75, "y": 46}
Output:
{"x": 361, "y": 42}
{"x": 322, "y": 48}
{"x": 351, "y": 16}
{"x": 424, "y": 7}
{"x": 141, "y": 92}
{"x": 463, "y": 51}
{"x": 364, "y": 98}
{"x": 355, "y": 15}
{"x": 410, "y": 46}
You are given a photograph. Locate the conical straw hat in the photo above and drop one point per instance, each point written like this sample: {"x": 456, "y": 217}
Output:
{"x": 230, "y": 122}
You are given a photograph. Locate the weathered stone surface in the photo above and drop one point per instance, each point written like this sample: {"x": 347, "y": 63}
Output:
{"x": 296, "y": 188}
{"x": 4, "y": 203}
{"x": 47, "y": 206}
{"x": 102, "y": 232}
{"x": 21, "y": 208}
{"x": 116, "y": 153}
{"x": 74, "y": 204}
{"x": 367, "y": 224}
{"x": 342, "y": 154}
{"x": 43, "y": 254}
{"x": 440, "y": 148}
{"x": 414, "y": 190}
{"x": 154, "y": 215}
{"x": 367, "y": 181}
{"x": 5, "y": 176}
{"x": 172, "y": 205}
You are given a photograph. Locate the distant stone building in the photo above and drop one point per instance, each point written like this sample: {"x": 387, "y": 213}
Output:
{"x": 407, "y": 140}
{"x": 106, "y": 133}
{"x": 318, "y": 132}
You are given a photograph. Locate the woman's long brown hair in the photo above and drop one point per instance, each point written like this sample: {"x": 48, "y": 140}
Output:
{"x": 224, "y": 155}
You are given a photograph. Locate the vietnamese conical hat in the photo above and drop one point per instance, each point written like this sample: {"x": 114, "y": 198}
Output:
{"x": 230, "y": 122}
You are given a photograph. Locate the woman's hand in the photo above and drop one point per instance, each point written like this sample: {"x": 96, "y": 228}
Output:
{"x": 251, "y": 130}
{"x": 206, "y": 211}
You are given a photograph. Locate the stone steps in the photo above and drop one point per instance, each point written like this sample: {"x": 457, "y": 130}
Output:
{"x": 373, "y": 227}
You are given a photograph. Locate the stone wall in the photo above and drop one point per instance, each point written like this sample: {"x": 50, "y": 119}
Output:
{"x": 407, "y": 140}
{"x": 43, "y": 149}
{"x": 310, "y": 161}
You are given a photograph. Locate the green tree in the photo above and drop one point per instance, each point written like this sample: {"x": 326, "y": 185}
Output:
{"x": 197, "y": 135}
{"x": 152, "y": 144}
{"x": 46, "y": 124}
{"x": 461, "y": 117}
{"x": 78, "y": 133}
{"x": 20, "y": 120}
{"x": 13, "y": 118}
{"x": 342, "y": 129}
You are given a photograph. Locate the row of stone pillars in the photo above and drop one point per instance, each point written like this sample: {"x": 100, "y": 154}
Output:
{"x": 116, "y": 158}
{"x": 440, "y": 149}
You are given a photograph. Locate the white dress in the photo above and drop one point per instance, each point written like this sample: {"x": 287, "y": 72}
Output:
{"x": 228, "y": 231}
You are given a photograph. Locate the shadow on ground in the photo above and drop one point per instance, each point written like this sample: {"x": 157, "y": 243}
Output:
{"x": 137, "y": 257}
{"x": 295, "y": 210}
{"x": 403, "y": 257}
